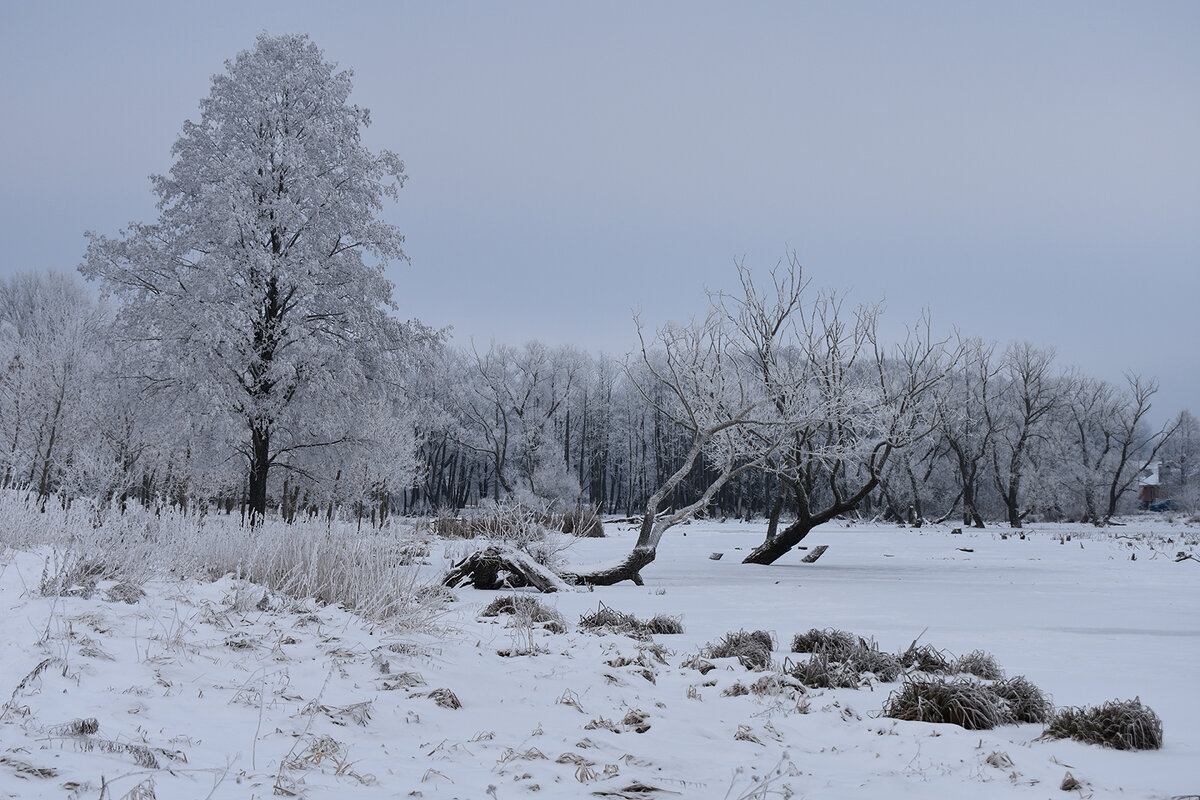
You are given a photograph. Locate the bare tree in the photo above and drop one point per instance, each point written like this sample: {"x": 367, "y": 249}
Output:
{"x": 1181, "y": 458}
{"x": 1112, "y": 441}
{"x": 844, "y": 402}
{"x": 507, "y": 407}
{"x": 1030, "y": 395}
{"x": 965, "y": 420}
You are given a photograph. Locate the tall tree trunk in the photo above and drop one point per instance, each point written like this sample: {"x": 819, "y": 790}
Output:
{"x": 260, "y": 463}
{"x": 776, "y": 511}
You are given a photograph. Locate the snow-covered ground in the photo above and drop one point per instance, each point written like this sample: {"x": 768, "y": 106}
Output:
{"x": 222, "y": 690}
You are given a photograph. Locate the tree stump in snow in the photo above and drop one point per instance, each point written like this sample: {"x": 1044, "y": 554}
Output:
{"x": 817, "y": 552}
{"x": 498, "y": 567}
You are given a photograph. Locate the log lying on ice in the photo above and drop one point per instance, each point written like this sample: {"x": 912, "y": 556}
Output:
{"x": 499, "y": 567}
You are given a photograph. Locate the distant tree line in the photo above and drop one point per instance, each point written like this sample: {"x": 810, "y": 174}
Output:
{"x": 1005, "y": 433}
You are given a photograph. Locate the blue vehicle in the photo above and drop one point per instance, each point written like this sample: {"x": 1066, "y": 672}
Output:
{"x": 1163, "y": 505}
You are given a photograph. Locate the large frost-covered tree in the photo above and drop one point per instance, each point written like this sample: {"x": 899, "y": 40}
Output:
{"x": 261, "y": 283}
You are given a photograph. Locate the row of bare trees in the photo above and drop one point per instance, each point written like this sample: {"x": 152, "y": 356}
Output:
{"x": 780, "y": 401}
{"x": 784, "y": 401}
{"x": 829, "y": 420}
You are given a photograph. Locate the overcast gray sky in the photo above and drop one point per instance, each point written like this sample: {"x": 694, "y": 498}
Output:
{"x": 1026, "y": 170}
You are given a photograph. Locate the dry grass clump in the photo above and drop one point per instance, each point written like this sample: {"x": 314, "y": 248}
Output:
{"x": 751, "y": 648}
{"x": 925, "y": 658}
{"x": 847, "y": 655}
{"x": 445, "y": 698}
{"x": 775, "y": 683}
{"x": 628, "y": 624}
{"x": 507, "y": 521}
{"x": 836, "y": 644}
{"x": 958, "y": 701}
{"x": 869, "y": 658}
{"x": 502, "y": 521}
{"x": 333, "y": 564}
{"x": 583, "y": 522}
{"x": 980, "y": 664}
{"x": 1121, "y": 725}
{"x": 329, "y": 561}
{"x": 1026, "y": 702}
{"x": 523, "y": 605}
{"x": 821, "y": 672}
{"x": 124, "y": 592}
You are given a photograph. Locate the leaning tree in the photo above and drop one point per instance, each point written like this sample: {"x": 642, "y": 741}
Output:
{"x": 772, "y": 380}
{"x": 844, "y": 402}
{"x": 261, "y": 283}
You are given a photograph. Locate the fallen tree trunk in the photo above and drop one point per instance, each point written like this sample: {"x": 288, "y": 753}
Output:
{"x": 499, "y": 567}
{"x": 626, "y": 570}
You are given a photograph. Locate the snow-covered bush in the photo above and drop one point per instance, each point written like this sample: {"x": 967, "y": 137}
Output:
{"x": 522, "y": 604}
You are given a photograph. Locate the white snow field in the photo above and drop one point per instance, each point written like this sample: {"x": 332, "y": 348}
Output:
{"x": 222, "y": 690}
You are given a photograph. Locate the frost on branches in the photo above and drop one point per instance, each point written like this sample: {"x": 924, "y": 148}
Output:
{"x": 261, "y": 283}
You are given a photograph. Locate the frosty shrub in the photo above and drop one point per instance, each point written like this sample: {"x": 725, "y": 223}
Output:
{"x": 522, "y": 604}
{"x": 1121, "y": 725}
{"x": 752, "y": 648}
{"x": 820, "y": 672}
{"x": 508, "y": 522}
{"x": 1026, "y": 702}
{"x": 620, "y": 622}
{"x": 83, "y": 543}
{"x": 980, "y": 664}
{"x": 958, "y": 701}
{"x": 836, "y": 644}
